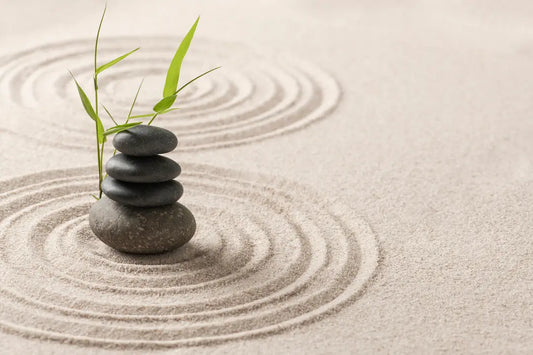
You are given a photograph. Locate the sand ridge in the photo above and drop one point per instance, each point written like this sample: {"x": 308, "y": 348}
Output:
{"x": 256, "y": 95}
{"x": 430, "y": 144}
{"x": 275, "y": 255}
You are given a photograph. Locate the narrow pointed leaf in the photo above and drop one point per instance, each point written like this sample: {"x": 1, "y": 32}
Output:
{"x": 151, "y": 114}
{"x": 114, "y": 61}
{"x": 198, "y": 77}
{"x": 120, "y": 128}
{"x": 164, "y": 104}
{"x": 85, "y": 100}
{"x": 100, "y": 131}
{"x": 173, "y": 74}
{"x": 98, "y": 36}
{"x": 135, "y": 99}
{"x": 169, "y": 110}
{"x": 109, "y": 114}
{"x": 142, "y": 116}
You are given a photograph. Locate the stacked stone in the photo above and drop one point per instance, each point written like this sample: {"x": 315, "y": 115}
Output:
{"x": 141, "y": 213}
{"x": 140, "y": 176}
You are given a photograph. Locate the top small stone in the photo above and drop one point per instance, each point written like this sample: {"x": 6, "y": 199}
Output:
{"x": 143, "y": 140}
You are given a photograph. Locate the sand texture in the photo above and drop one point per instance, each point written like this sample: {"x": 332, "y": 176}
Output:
{"x": 361, "y": 175}
{"x": 255, "y": 96}
{"x": 272, "y": 257}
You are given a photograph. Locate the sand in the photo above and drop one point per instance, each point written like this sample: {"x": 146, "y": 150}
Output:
{"x": 361, "y": 175}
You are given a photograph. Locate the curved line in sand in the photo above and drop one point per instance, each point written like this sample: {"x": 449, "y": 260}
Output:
{"x": 297, "y": 257}
{"x": 255, "y": 96}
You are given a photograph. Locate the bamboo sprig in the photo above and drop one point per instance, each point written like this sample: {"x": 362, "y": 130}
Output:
{"x": 163, "y": 106}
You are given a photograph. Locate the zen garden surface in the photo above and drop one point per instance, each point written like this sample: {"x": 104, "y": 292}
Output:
{"x": 361, "y": 176}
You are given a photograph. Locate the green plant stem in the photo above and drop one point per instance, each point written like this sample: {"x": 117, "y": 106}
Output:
{"x": 99, "y": 165}
{"x": 101, "y": 168}
{"x": 153, "y": 118}
{"x": 100, "y": 150}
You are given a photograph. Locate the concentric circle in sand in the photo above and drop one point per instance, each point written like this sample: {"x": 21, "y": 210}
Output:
{"x": 254, "y": 96}
{"x": 268, "y": 255}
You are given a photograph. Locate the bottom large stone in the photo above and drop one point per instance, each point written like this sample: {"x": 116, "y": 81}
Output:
{"x": 141, "y": 230}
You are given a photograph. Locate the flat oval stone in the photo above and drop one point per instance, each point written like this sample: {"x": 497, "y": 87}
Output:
{"x": 143, "y": 140}
{"x": 141, "y": 230}
{"x": 128, "y": 168}
{"x": 142, "y": 195}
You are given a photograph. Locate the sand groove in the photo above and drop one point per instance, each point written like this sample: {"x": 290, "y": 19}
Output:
{"x": 254, "y": 95}
{"x": 268, "y": 255}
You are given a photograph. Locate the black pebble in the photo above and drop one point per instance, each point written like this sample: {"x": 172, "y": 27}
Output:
{"x": 143, "y": 140}
{"x": 156, "y": 168}
{"x": 142, "y": 195}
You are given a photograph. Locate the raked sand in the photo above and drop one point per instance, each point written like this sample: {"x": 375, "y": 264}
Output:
{"x": 361, "y": 175}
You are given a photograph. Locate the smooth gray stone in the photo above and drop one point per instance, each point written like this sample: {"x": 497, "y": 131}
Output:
{"x": 142, "y": 195}
{"x": 128, "y": 168}
{"x": 143, "y": 140}
{"x": 141, "y": 230}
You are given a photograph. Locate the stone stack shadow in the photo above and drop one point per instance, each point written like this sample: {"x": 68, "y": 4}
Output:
{"x": 140, "y": 212}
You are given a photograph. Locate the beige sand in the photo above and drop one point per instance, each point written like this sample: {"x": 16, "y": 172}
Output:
{"x": 361, "y": 175}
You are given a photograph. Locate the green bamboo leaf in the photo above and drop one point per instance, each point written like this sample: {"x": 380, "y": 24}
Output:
{"x": 100, "y": 131}
{"x": 173, "y": 74}
{"x": 164, "y": 104}
{"x": 85, "y": 100}
{"x": 109, "y": 114}
{"x": 169, "y": 110}
{"x": 151, "y": 114}
{"x": 198, "y": 77}
{"x": 142, "y": 116}
{"x": 98, "y": 37}
{"x": 134, "y": 100}
{"x": 120, "y": 128}
{"x": 114, "y": 61}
